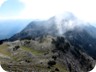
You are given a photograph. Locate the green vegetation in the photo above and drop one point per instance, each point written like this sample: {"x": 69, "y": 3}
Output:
{"x": 61, "y": 67}
{"x": 4, "y": 50}
{"x": 23, "y": 68}
{"x": 30, "y": 59}
{"x": 33, "y": 51}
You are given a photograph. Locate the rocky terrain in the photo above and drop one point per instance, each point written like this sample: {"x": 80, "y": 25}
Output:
{"x": 78, "y": 33}
{"x": 46, "y": 54}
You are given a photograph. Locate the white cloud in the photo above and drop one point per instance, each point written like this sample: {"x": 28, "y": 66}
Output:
{"x": 84, "y": 9}
{"x": 1, "y": 2}
{"x": 43, "y": 9}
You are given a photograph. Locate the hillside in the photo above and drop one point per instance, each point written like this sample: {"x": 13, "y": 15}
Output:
{"x": 77, "y": 32}
{"x": 54, "y": 54}
{"x": 59, "y": 44}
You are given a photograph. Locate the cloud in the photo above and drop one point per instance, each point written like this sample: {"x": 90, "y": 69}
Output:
{"x": 68, "y": 21}
{"x": 38, "y": 9}
{"x": 44, "y": 9}
{"x": 1, "y": 2}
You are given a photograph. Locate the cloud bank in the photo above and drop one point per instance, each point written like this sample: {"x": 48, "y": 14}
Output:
{"x": 43, "y": 9}
{"x": 67, "y": 22}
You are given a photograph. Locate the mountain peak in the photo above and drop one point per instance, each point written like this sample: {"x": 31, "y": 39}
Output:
{"x": 66, "y": 16}
{"x": 65, "y": 21}
{"x": 69, "y": 16}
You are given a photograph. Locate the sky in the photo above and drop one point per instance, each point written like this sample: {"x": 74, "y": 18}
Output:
{"x": 44, "y": 9}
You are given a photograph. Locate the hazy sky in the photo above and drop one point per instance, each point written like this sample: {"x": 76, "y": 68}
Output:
{"x": 43, "y": 9}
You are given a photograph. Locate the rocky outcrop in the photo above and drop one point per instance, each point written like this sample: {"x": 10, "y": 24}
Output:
{"x": 74, "y": 57}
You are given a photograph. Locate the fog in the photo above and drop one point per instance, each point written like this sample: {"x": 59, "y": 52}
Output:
{"x": 68, "y": 21}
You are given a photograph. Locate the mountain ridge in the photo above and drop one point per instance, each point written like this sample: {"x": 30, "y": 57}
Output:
{"x": 79, "y": 49}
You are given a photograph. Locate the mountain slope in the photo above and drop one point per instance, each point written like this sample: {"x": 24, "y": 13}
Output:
{"x": 10, "y": 27}
{"x": 76, "y": 31}
{"x": 84, "y": 40}
{"x": 49, "y": 53}
{"x": 37, "y": 29}
{"x": 74, "y": 57}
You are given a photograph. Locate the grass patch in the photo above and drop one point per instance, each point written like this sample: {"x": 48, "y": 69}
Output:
{"x": 3, "y": 50}
{"x": 22, "y": 68}
{"x": 62, "y": 68}
{"x": 33, "y": 51}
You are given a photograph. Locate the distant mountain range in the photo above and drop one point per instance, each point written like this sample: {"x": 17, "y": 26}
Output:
{"x": 10, "y": 27}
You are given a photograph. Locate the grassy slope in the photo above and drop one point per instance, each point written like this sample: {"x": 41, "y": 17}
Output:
{"x": 39, "y": 67}
{"x": 3, "y": 50}
{"x": 62, "y": 68}
{"x": 33, "y": 51}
